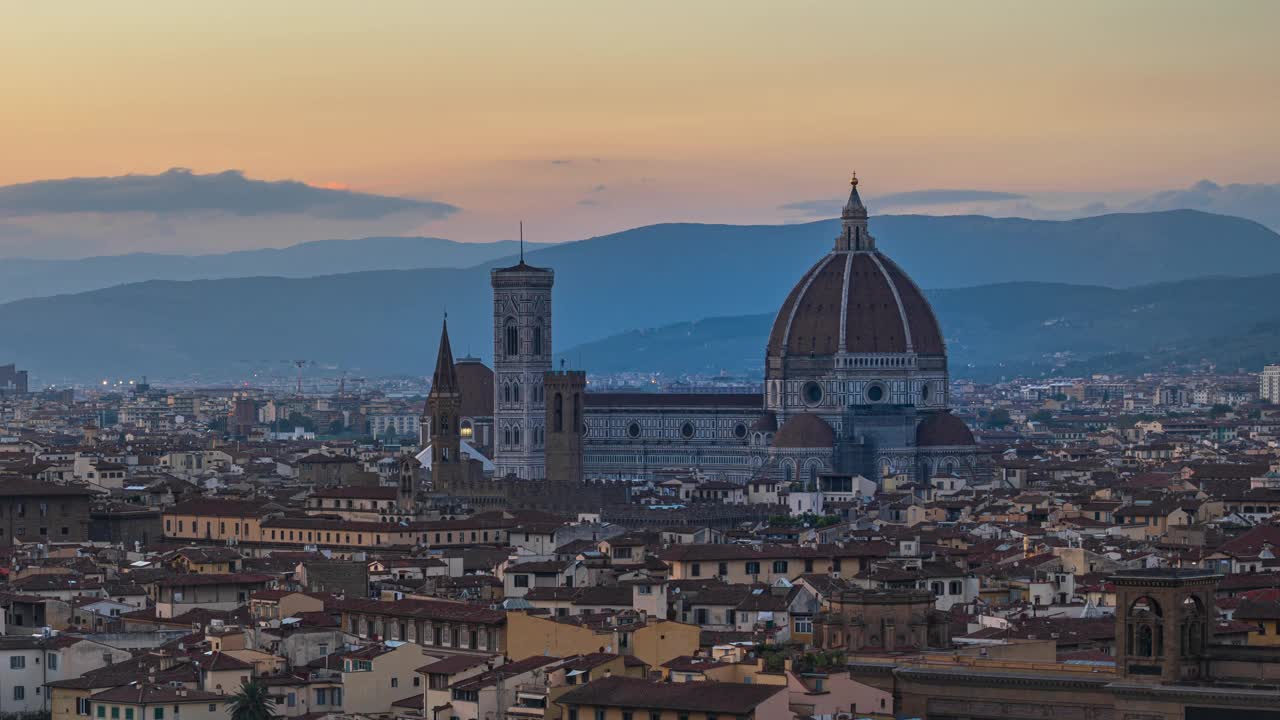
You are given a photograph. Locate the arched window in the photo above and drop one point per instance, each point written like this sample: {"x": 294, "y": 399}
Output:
{"x": 537, "y": 339}
{"x": 515, "y": 434}
{"x": 813, "y": 476}
{"x": 1145, "y": 628}
{"x": 558, "y": 414}
{"x": 512, "y": 338}
{"x": 506, "y": 392}
{"x": 444, "y": 423}
{"x": 788, "y": 471}
{"x": 515, "y": 391}
{"x": 1146, "y": 644}
{"x": 506, "y": 435}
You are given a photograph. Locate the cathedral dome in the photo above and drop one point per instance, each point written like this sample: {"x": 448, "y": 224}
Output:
{"x": 805, "y": 430}
{"x": 855, "y": 300}
{"x": 942, "y": 429}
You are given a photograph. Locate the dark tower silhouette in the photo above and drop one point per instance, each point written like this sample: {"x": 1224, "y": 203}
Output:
{"x": 440, "y": 423}
{"x": 1164, "y": 623}
{"x": 565, "y": 391}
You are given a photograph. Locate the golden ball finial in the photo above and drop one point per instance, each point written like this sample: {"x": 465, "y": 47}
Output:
{"x": 854, "y": 181}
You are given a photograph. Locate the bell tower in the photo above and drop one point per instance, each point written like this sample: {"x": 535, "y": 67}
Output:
{"x": 440, "y": 423}
{"x": 521, "y": 359}
{"x": 1164, "y": 623}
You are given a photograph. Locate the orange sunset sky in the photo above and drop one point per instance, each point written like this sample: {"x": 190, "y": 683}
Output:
{"x": 583, "y": 118}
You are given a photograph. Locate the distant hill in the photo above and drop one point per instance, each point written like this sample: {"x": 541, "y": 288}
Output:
{"x": 387, "y": 321}
{"x": 1010, "y": 328}
{"x": 23, "y": 278}
{"x": 1119, "y": 250}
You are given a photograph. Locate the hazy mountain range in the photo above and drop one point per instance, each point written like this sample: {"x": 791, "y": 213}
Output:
{"x": 1009, "y": 329}
{"x": 386, "y": 321}
{"x": 21, "y": 278}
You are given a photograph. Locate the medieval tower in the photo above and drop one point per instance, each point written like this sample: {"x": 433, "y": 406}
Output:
{"x": 565, "y": 429}
{"x": 521, "y": 358}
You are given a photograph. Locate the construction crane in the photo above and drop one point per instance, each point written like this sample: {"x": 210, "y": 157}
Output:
{"x": 300, "y": 364}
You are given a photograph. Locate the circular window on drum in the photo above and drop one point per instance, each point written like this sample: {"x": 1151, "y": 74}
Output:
{"x": 876, "y": 392}
{"x": 740, "y": 431}
{"x": 812, "y": 393}
{"x": 925, "y": 393}
{"x": 633, "y": 430}
{"x": 686, "y": 430}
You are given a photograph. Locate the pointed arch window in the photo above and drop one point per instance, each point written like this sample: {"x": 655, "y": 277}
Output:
{"x": 515, "y": 391}
{"x": 512, "y": 336}
{"x": 537, "y": 339}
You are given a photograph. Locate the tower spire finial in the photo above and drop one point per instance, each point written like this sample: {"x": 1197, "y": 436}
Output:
{"x": 853, "y": 221}
{"x": 521, "y": 242}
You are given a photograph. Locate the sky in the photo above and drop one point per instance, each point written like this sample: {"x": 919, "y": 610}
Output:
{"x": 586, "y": 118}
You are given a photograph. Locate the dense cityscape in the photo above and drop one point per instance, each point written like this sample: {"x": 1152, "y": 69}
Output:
{"x": 859, "y": 535}
{"x": 699, "y": 360}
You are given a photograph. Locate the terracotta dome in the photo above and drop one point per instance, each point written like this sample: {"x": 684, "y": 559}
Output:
{"x": 943, "y": 429}
{"x": 475, "y": 380}
{"x": 767, "y": 422}
{"x": 855, "y": 300}
{"x": 805, "y": 430}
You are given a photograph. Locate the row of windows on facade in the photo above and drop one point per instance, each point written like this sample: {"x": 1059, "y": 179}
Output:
{"x": 789, "y": 470}
{"x": 511, "y": 338}
{"x": 666, "y": 458}
{"x": 21, "y": 531}
{"x": 687, "y": 430}
{"x": 364, "y": 504}
{"x": 325, "y": 696}
{"x": 653, "y": 715}
{"x": 512, "y": 435}
{"x": 511, "y": 392}
{"x": 115, "y": 711}
{"x": 483, "y": 535}
{"x": 438, "y": 635}
{"x": 843, "y": 393}
{"x": 311, "y": 536}
{"x": 703, "y": 616}
{"x": 20, "y": 509}
{"x": 752, "y": 567}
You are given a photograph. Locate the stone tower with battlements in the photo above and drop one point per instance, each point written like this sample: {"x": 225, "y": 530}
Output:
{"x": 521, "y": 359}
{"x": 565, "y": 429}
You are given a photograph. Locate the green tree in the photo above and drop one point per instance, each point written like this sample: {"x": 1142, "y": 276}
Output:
{"x": 999, "y": 418}
{"x": 251, "y": 702}
{"x": 1042, "y": 416}
{"x": 305, "y": 422}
